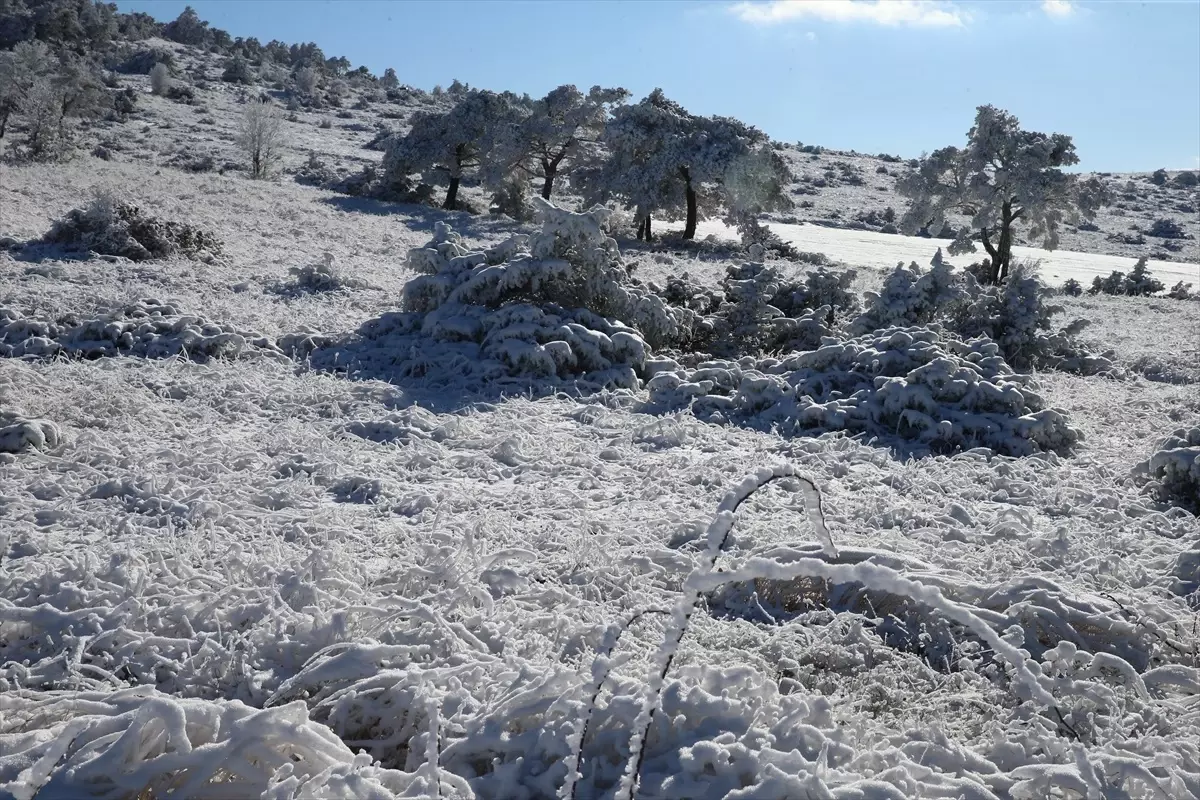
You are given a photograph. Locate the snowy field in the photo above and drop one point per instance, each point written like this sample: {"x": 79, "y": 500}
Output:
{"x": 266, "y": 537}
{"x": 244, "y": 578}
{"x": 882, "y": 251}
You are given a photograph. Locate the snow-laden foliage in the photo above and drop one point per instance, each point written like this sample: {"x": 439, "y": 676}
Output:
{"x": 1017, "y": 314}
{"x": 559, "y": 133}
{"x": 555, "y": 305}
{"x": 451, "y": 144}
{"x": 1138, "y": 282}
{"x": 1174, "y": 468}
{"x": 111, "y": 226}
{"x": 912, "y": 296}
{"x": 664, "y": 160}
{"x": 1004, "y": 176}
{"x": 1180, "y": 291}
{"x": 147, "y": 328}
{"x": 323, "y": 277}
{"x": 18, "y": 433}
{"x": 912, "y": 387}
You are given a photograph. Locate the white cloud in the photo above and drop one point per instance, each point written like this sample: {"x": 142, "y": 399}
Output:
{"x": 812, "y": 37}
{"x": 916, "y": 13}
{"x": 1058, "y": 8}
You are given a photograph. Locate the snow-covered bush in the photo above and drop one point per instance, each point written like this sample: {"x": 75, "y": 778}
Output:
{"x": 1180, "y": 291}
{"x": 1166, "y": 229}
{"x": 911, "y": 386}
{"x": 512, "y": 200}
{"x": 557, "y": 305}
{"x": 18, "y": 433}
{"x": 237, "y": 70}
{"x": 111, "y": 226}
{"x": 147, "y": 328}
{"x": 323, "y": 277}
{"x": 912, "y": 296}
{"x": 1016, "y": 314}
{"x": 1174, "y": 469}
{"x": 1138, "y": 282}
{"x": 760, "y": 314}
{"x": 160, "y": 79}
{"x": 1072, "y": 288}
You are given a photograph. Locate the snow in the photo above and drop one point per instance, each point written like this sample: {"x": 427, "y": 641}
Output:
{"x": 224, "y": 573}
{"x": 882, "y": 251}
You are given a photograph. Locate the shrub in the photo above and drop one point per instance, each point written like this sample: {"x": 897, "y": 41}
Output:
{"x": 160, "y": 79}
{"x": 909, "y": 386}
{"x": 1159, "y": 177}
{"x": 552, "y": 307}
{"x": 143, "y": 62}
{"x": 1185, "y": 180}
{"x": 1140, "y": 282}
{"x": 237, "y": 70}
{"x": 323, "y": 277}
{"x": 181, "y": 93}
{"x": 512, "y": 200}
{"x": 1072, "y": 288}
{"x": 1166, "y": 229}
{"x": 110, "y": 226}
{"x": 1180, "y": 291}
{"x": 1174, "y": 469}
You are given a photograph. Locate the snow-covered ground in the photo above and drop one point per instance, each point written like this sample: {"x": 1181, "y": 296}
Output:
{"x": 884, "y": 250}
{"x": 248, "y": 578}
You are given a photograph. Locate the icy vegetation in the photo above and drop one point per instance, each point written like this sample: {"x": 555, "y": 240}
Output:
{"x": 109, "y": 226}
{"x": 1175, "y": 468}
{"x": 147, "y": 328}
{"x": 898, "y": 385}
{"x": 506, "y": 512}
{"x": 555, "y": 305}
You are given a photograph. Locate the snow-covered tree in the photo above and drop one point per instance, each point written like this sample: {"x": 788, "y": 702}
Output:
{"x": 453, "y": 143}
{"x": 260, "y": 135}
{"x": 1004, "y": 175}
{"x": 160, "y": 79}
{"x": 561, "y": 130}
{"x": 20, "y": 70}
{"x": 664, "y": 159}
{"x": 389, "y": 79}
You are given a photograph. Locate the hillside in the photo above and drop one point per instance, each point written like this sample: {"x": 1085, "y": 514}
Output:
{"x": 309, "y": 493}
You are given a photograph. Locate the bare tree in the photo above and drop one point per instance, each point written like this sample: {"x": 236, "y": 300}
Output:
{"x": 260, "y": 135}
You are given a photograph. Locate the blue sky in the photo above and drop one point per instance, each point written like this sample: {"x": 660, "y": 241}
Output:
{"x": 896, "y": 76}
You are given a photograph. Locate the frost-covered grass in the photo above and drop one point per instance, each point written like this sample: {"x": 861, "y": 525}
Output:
{"x": 246, "y": 578}
{"x": 234, "y": 536}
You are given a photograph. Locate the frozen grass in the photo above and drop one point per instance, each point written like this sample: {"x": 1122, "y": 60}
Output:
{"x": 226, "y": 537}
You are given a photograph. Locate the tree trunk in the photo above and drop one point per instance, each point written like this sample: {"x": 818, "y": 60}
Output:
{"x": 452, "y": 194}
{"x": 1004, "y": 246}
{"x": 641, "y": 231}
{"x": 551, "y": 169}
{"x": 3, "y": 123}
{"x": 689, "y": 229}
{"x": 649, "y": 235}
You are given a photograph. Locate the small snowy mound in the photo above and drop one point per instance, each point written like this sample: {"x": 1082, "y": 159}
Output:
{"x": 109, "y": 226}
{"x": 146, "y": 328}
{"x": 1175, "y": 468}
{"x": 557, "y": 306}
{"x": 139, "y": 743}
{"x": 18, "y": 433}
{"x": 908, "y": 384}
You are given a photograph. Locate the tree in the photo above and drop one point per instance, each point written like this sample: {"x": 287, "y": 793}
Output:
{"x": 389, "y": 79}
{"x": 306, "y": 80}
{"x": 561, "y": 131}
{"x": 260, "y": 135}
{"x": 160, "y": 79}
{"x": 452, "y": 143}
{"x": 1003, "y": 176}
{"x": 20, "y": 69}
{"x": 664, "y": 159}
{"x": 237, "y": 70}
{"x": 187, "y": 28}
